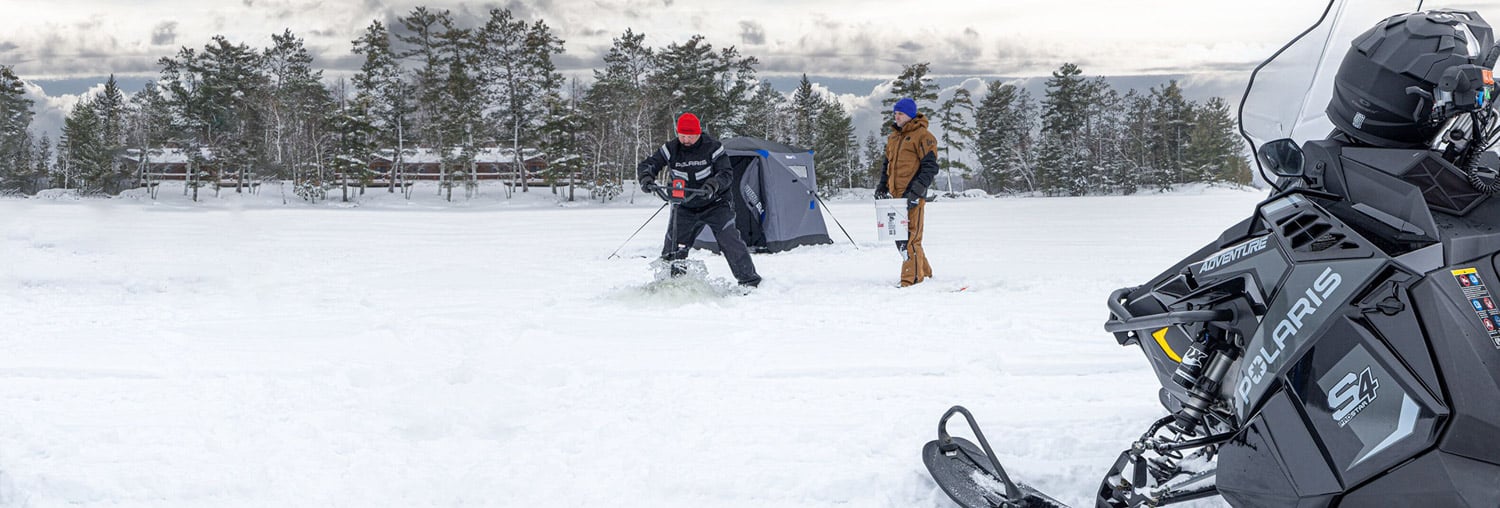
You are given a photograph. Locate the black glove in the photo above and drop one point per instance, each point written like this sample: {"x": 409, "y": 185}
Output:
{"x": 648, "y": 185}
{"x": 882, "y": 192}
{"x": 913, "y": 198}
{"x": 710, "y": 190}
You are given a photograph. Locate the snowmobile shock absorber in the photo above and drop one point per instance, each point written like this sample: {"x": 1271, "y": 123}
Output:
{"x": 1201, "y": 396}
{"x": 1193, "y": 361}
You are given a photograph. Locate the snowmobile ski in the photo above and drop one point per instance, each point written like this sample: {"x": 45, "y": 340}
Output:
{"x": 972, "y": 475}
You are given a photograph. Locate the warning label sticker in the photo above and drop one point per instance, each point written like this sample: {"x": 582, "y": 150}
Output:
{"x": 1479, "y": 297}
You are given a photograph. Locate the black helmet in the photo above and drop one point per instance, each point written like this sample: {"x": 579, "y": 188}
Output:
{"x": 1371, "y": 101}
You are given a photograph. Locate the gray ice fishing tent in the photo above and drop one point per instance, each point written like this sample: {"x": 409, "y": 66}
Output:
{"x": 775, "y": 208}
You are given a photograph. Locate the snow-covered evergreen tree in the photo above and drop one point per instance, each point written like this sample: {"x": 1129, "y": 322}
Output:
{"x": 15, "y": 122}
{"x": 422, "y": 46}
{"x": 1004, "y": 143}
{"x": 519, "y": 79}
{"x": 805, "y": 109}
{"x": 692, "y": 77}
{"x": 913, "y": 82}
{"x": 297, "y": 102}
{"x": 148, "y": 127}
{"x": 621, "y": 110}
{"x": 873, "y": 159}
{"x": 1062, "y": 154}
{"x": 460, "y": 111}
{"x": 111, "y": 108}
{"x": 1173, "y": 116}
{"x": 835, "y": 148}
{"x": 41, "y": 168}
{"x": 1214, "y": 149}
{"x": 765, "y": 116}
{"x": 86, "y": 150}
{"x": 382, "y": 84}
{"x": 955, "y": 123}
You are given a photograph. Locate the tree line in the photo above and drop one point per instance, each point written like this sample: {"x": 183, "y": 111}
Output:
{"x": 268, "y": 114}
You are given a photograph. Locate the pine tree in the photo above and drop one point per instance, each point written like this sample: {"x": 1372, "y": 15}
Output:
{"x": 915, "y": 84}
{"x": 874, "y": 160}
{"x": 1137, "y": 141}
{"x": 41, "y": 166}
{"x": 86, "y": 150}
{"x": 1062, "y": 154}
{"x": 355, "y": 141}
{"x": 148, "y": 125}
{"x": 763, "y": 117}
{"x": 422, "y": 41}
{"x": 111, "y": 108}
{"x": 806, "y": 108}
{"x": 460, "y": 108}
{"x": 381, "y": 84}
{"x": 1214, "y": 148}
{"x": 1173, "y": 116}
{"x": 692, "y": 77}
{"x": 521, "y": 78}
{"x": 1104, "y": 166}
{"x": 15, "y": 121}
{"x": 955, "y": 120}
{"x": 621, "y": 107}
{"x": 1004, "y": 143}
{"x": 562, "y": 140}
{"x": 216, "y": 98}
{"x": 237, "y": 89}
{"x": 835, "y": 149}
{"x": 297, "y": 102}
{"x": 186, "y": 102}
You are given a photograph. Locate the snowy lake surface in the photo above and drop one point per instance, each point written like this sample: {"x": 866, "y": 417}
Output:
{"x": 397, "y": 354}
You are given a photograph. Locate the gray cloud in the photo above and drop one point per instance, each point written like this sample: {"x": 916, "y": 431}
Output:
{"x": 7, "y": 46}
{"x": 752, "y": 33}
{"x": 165, "y": 34}
{"x": 570, "y": 62}
{"x": 336, "y": 61}
{"x": 592, "y": 32}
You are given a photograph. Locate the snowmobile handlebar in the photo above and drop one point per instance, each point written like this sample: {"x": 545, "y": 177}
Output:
{"x": 665, "y": 193}
{"x": 1121, "y": 320}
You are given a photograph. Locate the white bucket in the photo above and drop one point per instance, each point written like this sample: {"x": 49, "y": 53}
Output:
{"x": 890, "y": 220}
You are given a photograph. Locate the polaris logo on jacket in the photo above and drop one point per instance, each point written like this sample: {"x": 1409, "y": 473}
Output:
{"x": 1259, "y": 363}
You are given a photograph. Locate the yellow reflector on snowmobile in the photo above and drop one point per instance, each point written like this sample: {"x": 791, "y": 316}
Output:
{"x": 1161, "y": 338}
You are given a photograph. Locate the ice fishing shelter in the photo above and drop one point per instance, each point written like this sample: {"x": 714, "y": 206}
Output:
{"x": 775, "y": 208}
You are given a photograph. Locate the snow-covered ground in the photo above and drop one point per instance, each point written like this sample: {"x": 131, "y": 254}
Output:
{"x": 492, "y": 355}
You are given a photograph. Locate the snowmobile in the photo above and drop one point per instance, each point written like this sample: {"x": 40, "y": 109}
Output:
{"x": 1341, "y": 346}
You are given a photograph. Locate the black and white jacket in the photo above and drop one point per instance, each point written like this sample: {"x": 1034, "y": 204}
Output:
{"x": 704, "y": 161}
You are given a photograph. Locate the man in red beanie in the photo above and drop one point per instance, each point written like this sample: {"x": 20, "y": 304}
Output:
{"x": 698, "y": 160}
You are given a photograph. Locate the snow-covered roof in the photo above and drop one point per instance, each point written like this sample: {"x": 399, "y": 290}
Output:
{"x": 485, "y": 155}
{"x": 166, "y": 155}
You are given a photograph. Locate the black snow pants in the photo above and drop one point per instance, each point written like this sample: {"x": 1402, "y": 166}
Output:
{"x": 687, "y": 222}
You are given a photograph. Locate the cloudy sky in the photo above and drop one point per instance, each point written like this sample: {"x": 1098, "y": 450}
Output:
{"x": 65, "y": 46}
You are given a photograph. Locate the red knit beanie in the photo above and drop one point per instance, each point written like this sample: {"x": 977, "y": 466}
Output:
{"x": 688, "y": 124}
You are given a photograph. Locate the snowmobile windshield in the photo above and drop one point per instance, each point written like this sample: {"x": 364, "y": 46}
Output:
{"x": 1289, "y": 92}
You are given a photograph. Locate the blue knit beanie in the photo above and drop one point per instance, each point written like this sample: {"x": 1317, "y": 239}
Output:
{"x": 907, "y": 106}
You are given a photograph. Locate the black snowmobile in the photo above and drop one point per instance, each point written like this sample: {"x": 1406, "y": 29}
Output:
{"x": 1341, "y": 347}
